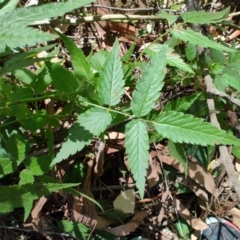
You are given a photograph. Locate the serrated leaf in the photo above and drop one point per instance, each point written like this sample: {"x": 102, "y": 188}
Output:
{"x": 23, "y": 196}
{"x": 201, "y": 17}
{"x": 181, "y": 128}
{"x": 98, "y": 59}
{"x": 16, "y": 146}
{"x": 231, "y": 80}
{"x": 181, "y": 104}
{"x": 170, "y": 17}
{"x": 80, "y": 65}
{"x": 175, "y": 60}
{"x": 26, "y": 176}
{"x": 7, "y": 166}
{"x": 95, "y": 120}
{"x": 23, "y": 59}
{"x": 111, "y": 83}
{"x": 29, "y": 36}
{"x": 191, "y": 51}
{"x": 126, "y": 57}
{"x": 218, "y": 56}
{"x": 77, "y": 139}
{"x": 176, "y": 150}
{"x": 38, "y": 165}
{"x": 14, "y": 31}
{"x": 62, "y": 79}
{"x": 7, "y": 5}
{"x": 150, "y": 84}
{"x": 198, "y": 39}
{"x": 137, "y": 145}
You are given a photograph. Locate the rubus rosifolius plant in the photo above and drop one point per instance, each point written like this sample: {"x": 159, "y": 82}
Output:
{"x": 91, "y": 97}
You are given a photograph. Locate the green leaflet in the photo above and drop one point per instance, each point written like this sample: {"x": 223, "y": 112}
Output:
{"x": 7, "y": 166}
{"x": 111, "y": 84}
{"x": 38, "y": 165}
{"x": 24, "y": 75}
{"x": 14, "y": 31}
{"x": 23, "y": 196}
{"x": 150, "y": 84}
{"x": 81, "y": 67}
{"x": 16, "y": 146}
{"x": 77, "y": 230}
{"x": 198, "y": 39}
{"x": 24, "y": 59}
{"x": 181, "y": 127}
{"x": 176, "y": 150}
{"x": 137, "y": 144}
{"x": 170, "y": 17}
{"x": 175, "y": 60}
{"x": 62, "y": 79}
{"x": 26, "y": 176}
{"x": 182, "y": 104}
{"x": 29, "y": 36}
{"x": 218, "y": 56}
{"x": 78, "y": 137}
{"x": 190, "y": 51}
{"x": 95, "y": 120}
{"x": 201, "y": 17}
{"x": 7, "y": 5}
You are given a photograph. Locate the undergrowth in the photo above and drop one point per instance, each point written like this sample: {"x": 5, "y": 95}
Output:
{"x": 100, "y": 92}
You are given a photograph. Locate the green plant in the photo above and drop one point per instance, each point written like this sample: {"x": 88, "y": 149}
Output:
{"x": 91, "y": 96}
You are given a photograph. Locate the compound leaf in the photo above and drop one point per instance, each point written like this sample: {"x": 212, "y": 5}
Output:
{"x": 149, "y": 85}
{"x": 137, "y": 145}
{"x": 111, "y": 83}
{"x": 95, "y": 120}
{"x": 181, "y": 127}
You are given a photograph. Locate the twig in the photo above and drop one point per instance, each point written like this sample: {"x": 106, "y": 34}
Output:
{"x": 215, "y": 91}
{"x": 124, "y": 9}
{"x": 106, "y": 17}
{"x": 42, "y": 151}
{"x": 32, "y": 230}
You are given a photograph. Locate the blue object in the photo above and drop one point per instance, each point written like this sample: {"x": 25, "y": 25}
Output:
{"x": 220, "y": 229}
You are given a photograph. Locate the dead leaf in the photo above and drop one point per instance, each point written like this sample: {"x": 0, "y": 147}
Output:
{"x": 196, "y": 172}
{"x": 102, "y": 222}
{"x": 236, "y": 216}
{"x": 114, "y": 135}
{"x": 130, "y": 226}
{"x": 197, "y": 189}
{"x": 36, "y": 213}
{"x": 154, "y": 172}
{"x": 162, "y": 211}
{"x": 194, "y": 222}
{"x": 125, "y": 201}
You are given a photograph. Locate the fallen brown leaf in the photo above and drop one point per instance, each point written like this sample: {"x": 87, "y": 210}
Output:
{"x": 130, "y": 226}
{"x": 194, "y": 222}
